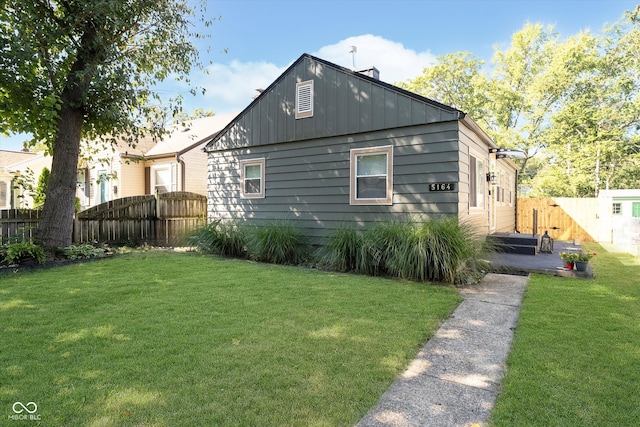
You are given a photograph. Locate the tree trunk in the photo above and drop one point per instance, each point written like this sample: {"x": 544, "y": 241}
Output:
{"x": 56, "y": 224}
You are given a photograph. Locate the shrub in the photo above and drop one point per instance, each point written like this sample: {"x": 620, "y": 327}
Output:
{"x": 344, "y": 251}
{"x": 19, "y": 251}
{"x": 383, "y": 241}
{"x": 219, "y": 237}
{"x": 442, "y": 250}
{"x": 83, "y": 251}
{"x": 277, "y": 242}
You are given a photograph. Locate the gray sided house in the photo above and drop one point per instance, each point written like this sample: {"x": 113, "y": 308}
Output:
{"x": 325, "y": 146}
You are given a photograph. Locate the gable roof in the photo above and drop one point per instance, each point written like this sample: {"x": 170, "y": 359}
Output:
{"x": 189, "y": 134}
{"x": 9, "y": 158}
{"x": 437, "y": 110}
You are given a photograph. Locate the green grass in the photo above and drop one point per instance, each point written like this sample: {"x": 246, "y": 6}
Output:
{"x": 166, "y": 339}
{"x": 575, "y": 359}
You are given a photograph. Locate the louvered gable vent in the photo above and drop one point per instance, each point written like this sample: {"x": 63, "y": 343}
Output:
{"x": 304, "y": 99}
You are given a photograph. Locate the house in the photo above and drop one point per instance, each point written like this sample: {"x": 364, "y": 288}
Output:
{"x": 15, "y": 165}
{"x": 174, "y": 163}
{"x": 324, "y": 145}
{"x": 619, "y": 219}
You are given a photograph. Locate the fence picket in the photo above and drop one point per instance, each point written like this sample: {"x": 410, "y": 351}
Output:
{"x": 161, "y": 221}
{"x": 564, "y": 218}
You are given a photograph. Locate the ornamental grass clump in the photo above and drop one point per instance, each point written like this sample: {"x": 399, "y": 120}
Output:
{"x": 277, "y": 242}
{"x": 441, "y": 250}
{"x": 383, "y": 241}
{"x": 226, "y": 238}
{"x": 344, "y": 249}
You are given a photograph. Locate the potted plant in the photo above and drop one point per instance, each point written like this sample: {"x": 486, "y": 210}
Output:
{"x": 569, "y": 258}
{"x": 582, "y": 260}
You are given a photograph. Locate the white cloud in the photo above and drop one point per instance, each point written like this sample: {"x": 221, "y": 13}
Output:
{"x": 394, "y": 61}
{"x": 230, "y": 87}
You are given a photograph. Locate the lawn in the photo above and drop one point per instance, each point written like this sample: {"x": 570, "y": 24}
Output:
{"x": 575, "y": 359}
{"x": 166, "y": 339}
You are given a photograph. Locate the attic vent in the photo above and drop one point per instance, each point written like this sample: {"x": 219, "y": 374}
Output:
{"x": 304, "y": 99}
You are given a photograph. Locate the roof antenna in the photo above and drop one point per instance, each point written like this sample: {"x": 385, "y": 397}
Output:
{"x": 353, "y": 50}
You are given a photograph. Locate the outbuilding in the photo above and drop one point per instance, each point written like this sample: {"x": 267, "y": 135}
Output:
{"x": 325, "y": 146}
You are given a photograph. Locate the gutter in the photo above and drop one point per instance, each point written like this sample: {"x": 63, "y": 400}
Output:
{"x": 183, "y": 171}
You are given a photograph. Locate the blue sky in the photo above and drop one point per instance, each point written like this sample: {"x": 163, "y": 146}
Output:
{"x": 399, "y": 37}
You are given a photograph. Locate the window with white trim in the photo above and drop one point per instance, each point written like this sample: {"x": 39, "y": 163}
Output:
{"x": 304, "y": 99}
{"x": 164, "y": 178}
{"x": 252, "y": 178}
{"x": 477, "y": 179}
{"x": 371, "y": 176}
{"x": 4, "y": 195}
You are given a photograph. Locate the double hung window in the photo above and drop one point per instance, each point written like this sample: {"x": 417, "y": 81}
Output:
{"x": 372, "y": 176}
{"x": 477, "y": 180}
{"x": 252, "y": 178}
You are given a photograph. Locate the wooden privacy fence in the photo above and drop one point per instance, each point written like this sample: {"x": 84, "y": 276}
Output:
{"x": 162, "y": 220}
{"x": 18, "y": 224}
{"x": 565, "y": 218}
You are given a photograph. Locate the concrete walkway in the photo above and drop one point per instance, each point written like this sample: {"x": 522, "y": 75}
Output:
{"x": 455, "y": 379}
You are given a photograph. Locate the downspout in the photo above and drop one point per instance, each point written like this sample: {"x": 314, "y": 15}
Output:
{"x": 182, "y": 171}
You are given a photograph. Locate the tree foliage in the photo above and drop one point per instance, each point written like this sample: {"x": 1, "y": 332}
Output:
{"x": 574, "y": 101}
{"x": 72, "y": 69}
{"x": 40, "y": 194}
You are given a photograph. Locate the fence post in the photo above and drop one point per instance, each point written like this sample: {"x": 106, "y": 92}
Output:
{"x": 534, "y": 227}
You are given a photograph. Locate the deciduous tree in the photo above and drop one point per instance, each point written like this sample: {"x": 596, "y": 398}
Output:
{"x": 85, "y": 68}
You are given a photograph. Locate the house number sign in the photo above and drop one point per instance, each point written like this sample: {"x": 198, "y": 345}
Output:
{"x": 442, "y": 186}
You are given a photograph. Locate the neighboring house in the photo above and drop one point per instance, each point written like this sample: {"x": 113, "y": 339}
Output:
{"x": 174, "y": 163}
{"x": 16, "y": 164}
{"x": 619, "y": 219}
{"x": 324, "y": 146}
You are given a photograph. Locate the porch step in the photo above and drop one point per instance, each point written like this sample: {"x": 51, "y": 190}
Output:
{"x": 515, "y": 244}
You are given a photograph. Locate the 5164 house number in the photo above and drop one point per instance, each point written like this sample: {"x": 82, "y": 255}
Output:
{"x": 442, "y": 186}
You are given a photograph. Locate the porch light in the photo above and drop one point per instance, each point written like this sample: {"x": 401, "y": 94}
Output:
{"x": 491, "y": 177}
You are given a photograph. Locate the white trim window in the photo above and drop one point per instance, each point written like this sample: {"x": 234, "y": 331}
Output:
{"x": 304, "y": 99}
{"x": 5, "y": 193}
{"x": 252, "y": 178}
{"x": 477, "y": 180}
{"x": 371, "y": 176}
{"x": 164, "y": 178}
